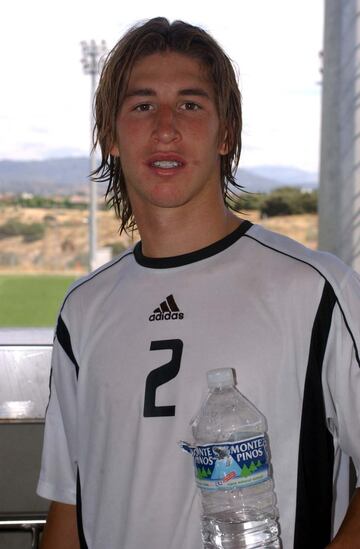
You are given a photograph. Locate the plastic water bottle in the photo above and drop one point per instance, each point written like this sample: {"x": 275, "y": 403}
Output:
{"x": 232, "y": 469}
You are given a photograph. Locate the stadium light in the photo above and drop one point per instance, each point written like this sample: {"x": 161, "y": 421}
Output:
{"x": 93, "y": 55}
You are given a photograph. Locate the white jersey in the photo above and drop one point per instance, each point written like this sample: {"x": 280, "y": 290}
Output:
{"x": 133, "y": 343}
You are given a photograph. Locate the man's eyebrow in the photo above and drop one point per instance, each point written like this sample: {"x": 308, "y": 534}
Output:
{"x": 200, "y": 92}
{"x": 142, "y": 92}
{"x": 148, "y": 92}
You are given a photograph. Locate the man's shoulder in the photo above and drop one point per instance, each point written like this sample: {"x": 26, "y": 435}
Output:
{"x": 97, "y": 281}
{"x": 324, "y": 263}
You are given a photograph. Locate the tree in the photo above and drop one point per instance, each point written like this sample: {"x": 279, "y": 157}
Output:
{"x": 252, "y": 467}
{"x": 245, "y": 471}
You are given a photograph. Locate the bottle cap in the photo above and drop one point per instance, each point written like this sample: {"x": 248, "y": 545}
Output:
{"x": 221, "y": 377}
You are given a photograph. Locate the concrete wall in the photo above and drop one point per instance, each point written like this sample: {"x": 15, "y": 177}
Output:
{"x": 339, "y": 201}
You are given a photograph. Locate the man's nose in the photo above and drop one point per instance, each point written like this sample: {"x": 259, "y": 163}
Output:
{"x": 166, "y": 128}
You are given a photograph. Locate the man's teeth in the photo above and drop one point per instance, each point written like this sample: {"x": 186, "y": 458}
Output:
{"x": 166, "y": 164}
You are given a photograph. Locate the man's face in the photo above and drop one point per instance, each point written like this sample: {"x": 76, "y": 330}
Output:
{"x": 168, "y": 134}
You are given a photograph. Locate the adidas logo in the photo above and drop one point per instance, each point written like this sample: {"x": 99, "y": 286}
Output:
{"x": 168, "y": 310}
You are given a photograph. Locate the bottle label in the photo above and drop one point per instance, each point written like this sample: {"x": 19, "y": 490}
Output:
{"x": 224, "y": 466}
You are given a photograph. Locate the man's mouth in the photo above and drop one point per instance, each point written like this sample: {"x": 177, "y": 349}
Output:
{"x": 166, "y": 164}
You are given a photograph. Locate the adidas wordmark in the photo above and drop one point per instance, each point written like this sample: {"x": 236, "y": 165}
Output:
{"x": 168, "y": 310}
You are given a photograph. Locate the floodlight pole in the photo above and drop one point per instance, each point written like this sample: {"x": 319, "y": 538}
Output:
{"x": 91, "y": 62}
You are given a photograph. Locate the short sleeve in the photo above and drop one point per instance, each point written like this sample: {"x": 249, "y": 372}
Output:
{"x": 57, "y": 479}
{"x": 341, "y": 372}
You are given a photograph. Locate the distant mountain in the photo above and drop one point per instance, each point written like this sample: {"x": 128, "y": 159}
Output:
{"x": 47, "y": 177}
{"x": 287, "y": 175}
{"x": 70, "y": 175}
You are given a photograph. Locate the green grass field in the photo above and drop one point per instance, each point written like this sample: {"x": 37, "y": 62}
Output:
{"x": 31, "y": 300}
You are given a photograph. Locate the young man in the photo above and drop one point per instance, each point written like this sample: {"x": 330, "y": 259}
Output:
{"x": 203, "y": 289}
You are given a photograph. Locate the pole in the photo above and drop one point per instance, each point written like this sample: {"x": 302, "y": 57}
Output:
{"x": 93, "y": 188}
{"x": 91, "y": 60}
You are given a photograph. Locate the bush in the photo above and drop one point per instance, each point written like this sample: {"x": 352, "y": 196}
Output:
{"x": 50, "y": 219}
{"x": 247, "y": 200}
{"x": 33, "y": 232}
{"x": 13, "y": 227}
{"x": 310, "y": 202}
{"x": 276, "y": 205}
{"x": 252, "y": 201}
{"x": 289, "y": 201}
{"x": 29, "y": 231}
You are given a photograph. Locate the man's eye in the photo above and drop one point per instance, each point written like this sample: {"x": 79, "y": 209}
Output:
{"x": 190, "y": 106}
{"x": 144, "y": 107}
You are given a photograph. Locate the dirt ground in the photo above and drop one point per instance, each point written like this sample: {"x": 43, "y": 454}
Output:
{"x": 64, "y": 248}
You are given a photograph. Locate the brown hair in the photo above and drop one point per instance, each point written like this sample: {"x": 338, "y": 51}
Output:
{"x": 159, "y": 35}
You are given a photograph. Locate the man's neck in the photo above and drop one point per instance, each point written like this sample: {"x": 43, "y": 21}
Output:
{"x": 177, "y": 232}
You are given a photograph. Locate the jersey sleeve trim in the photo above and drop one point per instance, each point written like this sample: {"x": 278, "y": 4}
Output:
{"x": 63, "y": 336}
{"x": 316, "y": 448}
{"x": 82, "y": 540}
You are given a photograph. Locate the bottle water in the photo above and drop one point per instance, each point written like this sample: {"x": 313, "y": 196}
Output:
{"x": 231, "y": 462}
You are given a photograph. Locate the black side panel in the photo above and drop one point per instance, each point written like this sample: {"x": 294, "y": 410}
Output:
{"x": 82, "y": 540}
{"x": 316, "y": 450}
{"x": 63, "y": 336}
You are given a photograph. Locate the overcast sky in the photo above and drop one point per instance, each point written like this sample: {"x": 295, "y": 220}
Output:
{"x": 45, "y": 97}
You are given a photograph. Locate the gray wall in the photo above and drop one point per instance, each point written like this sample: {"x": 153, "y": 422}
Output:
{"x": 20, "y": 454}
{"x": 339, "y": 200}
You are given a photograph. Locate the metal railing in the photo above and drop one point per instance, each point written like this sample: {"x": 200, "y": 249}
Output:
{"x": 33, "y": 523}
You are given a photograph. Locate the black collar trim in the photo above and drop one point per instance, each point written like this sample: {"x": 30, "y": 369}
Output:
{"x": 192, "y": 257}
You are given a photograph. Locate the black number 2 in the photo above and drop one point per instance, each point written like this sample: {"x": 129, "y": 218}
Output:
{"x": 162, "y": 375}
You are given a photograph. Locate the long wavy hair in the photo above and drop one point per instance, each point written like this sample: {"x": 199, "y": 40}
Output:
{"x": 154, "y": 36}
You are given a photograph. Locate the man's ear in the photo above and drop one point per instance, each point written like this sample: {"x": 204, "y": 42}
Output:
{"x": 224, "y": 146}
{"x": 114, "y": 150}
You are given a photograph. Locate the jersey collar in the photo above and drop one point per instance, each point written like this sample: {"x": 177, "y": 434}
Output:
{"x": 192, "y": 257}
